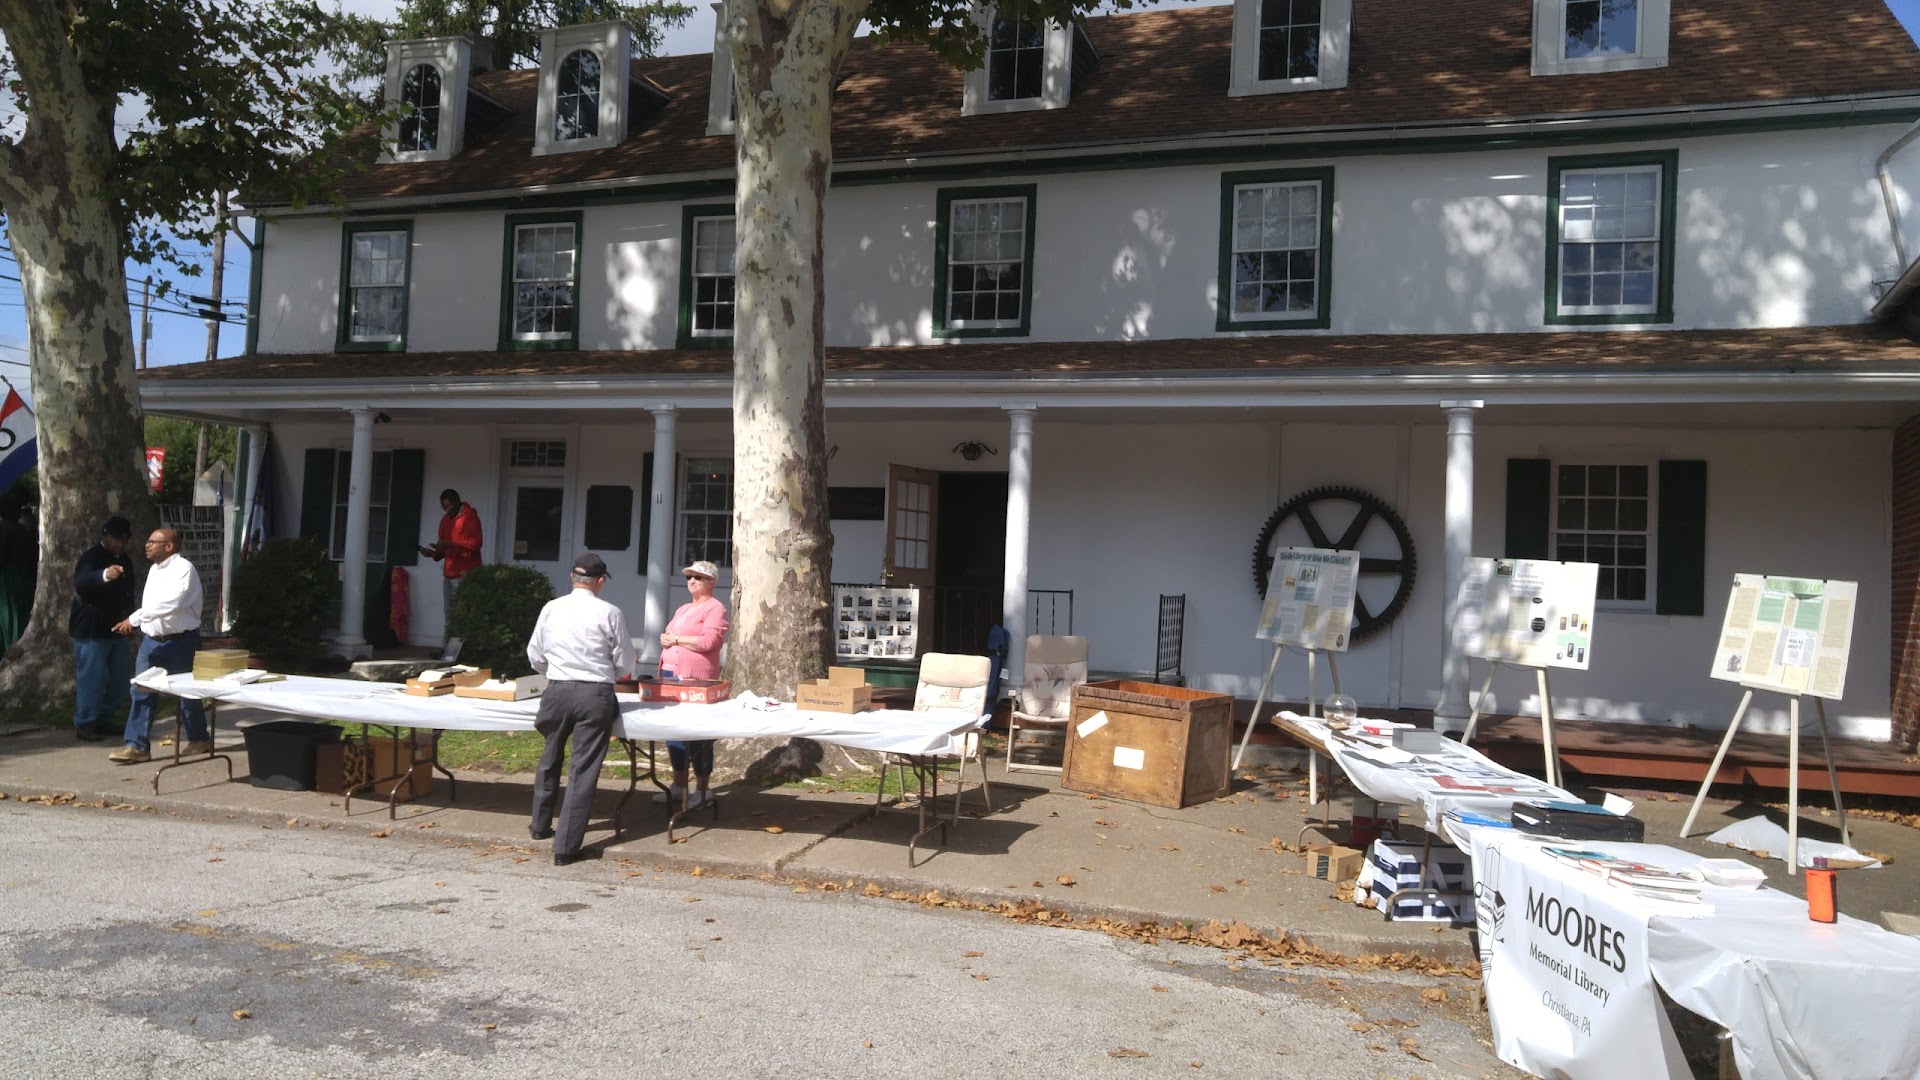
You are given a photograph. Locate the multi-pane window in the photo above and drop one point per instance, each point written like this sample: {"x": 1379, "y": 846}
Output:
{"x": 1289, "y": 39}
{"x": 1601, "y": 27}
{"x": 537, "y": 453}
{"x": 1276, "y": 251}
{"x": 544, "y": 259}
{"x": 986, "y": 262}
{"x": 1602, "y": 514}
{"x": 1016, "y": 59}
{"x": 1609, "y": 240}
{"x": 576, "y": 104}
{"x": 706, "y": 511}
{"x": 378, "y": 502}
{"x": 377, "y": 285}
{"x": 713, "y": 271}
{"x": 420, "y": 109}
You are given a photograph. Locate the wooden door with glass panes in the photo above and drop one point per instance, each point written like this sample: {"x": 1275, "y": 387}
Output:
{"x": 907, "y": 563}
{"x": 535, "y": 504}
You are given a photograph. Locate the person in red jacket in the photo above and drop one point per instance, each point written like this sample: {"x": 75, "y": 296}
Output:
{"x": 458, "y": 548}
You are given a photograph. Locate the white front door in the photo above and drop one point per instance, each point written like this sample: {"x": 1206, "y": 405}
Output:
{"x": 538, "y": 529}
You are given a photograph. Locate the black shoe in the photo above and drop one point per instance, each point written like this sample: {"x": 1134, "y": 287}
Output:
{"x": 566, "y": 860}
{"x": 540, "y": 834}
{"x": 90, "y": 733}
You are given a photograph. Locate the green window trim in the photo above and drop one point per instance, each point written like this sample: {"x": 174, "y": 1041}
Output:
{"x": 944, "y": 223}
{"x": 683, "y": 336}
{"x": 508, "y": 342}
{"x": 1322, "y": 316}
{"x": 1668, "y": 162}
{"x": 343, "y": 342}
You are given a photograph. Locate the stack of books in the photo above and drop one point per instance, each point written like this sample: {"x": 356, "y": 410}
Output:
{"x": 214, "y": 663}
{"x": 1641, "y": 879}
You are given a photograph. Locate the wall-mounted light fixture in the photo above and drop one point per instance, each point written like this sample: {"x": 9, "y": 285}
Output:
{"x": 972, "y": 449}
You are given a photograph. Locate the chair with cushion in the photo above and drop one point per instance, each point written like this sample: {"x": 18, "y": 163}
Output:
{"x": 1055, "y": 665}
{"x": 954, "y": 684}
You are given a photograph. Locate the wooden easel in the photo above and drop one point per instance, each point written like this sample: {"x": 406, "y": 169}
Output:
{"x": 1313, "y": 706}
{"x": 1793, "y": 772}
{"x": 1547, "y": 747}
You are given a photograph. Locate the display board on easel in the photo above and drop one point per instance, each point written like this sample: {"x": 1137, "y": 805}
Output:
{"x": 874, "y": 623}
{"x": 1309, "y": 606}
{"x": 1527, "y": 613}
{"x": 1789, "y": 636}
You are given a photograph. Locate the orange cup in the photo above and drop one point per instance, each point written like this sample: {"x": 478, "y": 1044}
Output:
{"x": 1822, "y": 896}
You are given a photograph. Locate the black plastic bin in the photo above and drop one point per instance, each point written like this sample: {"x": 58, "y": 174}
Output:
{"x": 280, "y": 753}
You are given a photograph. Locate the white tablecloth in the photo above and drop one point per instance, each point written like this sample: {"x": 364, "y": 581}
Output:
{"x": 891, "y": 731}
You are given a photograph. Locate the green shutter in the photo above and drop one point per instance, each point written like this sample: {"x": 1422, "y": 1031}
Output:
{"x": 378, "y": 608}
{"x": 646, "y": 511}
{"x": 1529, "y": 508}
{"x": 403, "y": 507}
{"x": 316, "y": 497}
{"x": 1682, "y": 565}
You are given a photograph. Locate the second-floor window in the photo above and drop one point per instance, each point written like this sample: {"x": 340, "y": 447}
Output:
{"x": 1016, "y": 60}
{"x": 1277, "y": 230}
{"x": 376, "y": 287}
{"x": 713, "y": 266}
{"x": 576, "y": 112}
{"x": 420, "y": 109}
{"x": 543, "y": 273}
{"x": 1289, "y": 41}
{"x": 1610, "y": 239}
{"x": 985, "y": 281}
{"x": 1602, "y": 27}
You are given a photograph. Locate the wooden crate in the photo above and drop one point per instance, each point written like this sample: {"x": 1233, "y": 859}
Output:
{"x": 1164, "y": 745}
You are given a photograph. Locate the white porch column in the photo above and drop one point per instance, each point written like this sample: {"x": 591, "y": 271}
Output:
{"x": 353, "y": 570}
{"x": 1013, "y": 598}
{"x": 659, "y": 535}
{"x": 1452, "y": 712}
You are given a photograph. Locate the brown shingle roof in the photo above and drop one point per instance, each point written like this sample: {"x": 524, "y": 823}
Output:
{"x": 1865, "y": 347}
{"x": 1164, "y": 74}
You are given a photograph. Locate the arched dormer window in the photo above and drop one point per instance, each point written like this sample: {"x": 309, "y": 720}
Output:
{"x": 576, "y": 113}
{"x": 420, "y": 109}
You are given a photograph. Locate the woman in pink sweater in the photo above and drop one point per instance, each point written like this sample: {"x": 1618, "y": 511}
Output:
{"x": 692, "y": 651}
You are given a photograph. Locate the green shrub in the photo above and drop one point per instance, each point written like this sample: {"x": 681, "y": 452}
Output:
{"x": 283, "y": 602}
{"x": 494, "y": 610}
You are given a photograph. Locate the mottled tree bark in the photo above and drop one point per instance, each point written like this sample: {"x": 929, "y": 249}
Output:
{"x": 786, "y": 54}
{"x": 63, "y": 224}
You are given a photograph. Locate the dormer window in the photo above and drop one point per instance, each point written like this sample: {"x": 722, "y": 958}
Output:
{"x": 1281, "y": 46}
{"x": 1579, "y": 36}
{"x": 576, "y": 107}
{"x": 420, "y": 109}
{"x": 427, "y": 79}
{"x": 1029, "y": 65}
{"x": 585, "y": 79}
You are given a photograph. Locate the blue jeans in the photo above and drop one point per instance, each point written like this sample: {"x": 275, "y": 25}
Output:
{"x": 695, "y": 752}
{"x": 101, "y": 668}
{"x": 176, "y": 656}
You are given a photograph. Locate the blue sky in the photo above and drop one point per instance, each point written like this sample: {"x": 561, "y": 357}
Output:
{"x": 180, "y": 336}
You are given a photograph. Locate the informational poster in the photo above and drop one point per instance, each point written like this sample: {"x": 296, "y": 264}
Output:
{"x": 875, "y": 623}
{"x": 1310, "y": 598}
{"x": 1528, "y": 612}
{"x": 1787, "y": 634}
{"x": 203, "y": 536}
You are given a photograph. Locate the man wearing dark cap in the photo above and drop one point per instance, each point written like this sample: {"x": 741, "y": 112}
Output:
{"x": 581, "y": 645}
{"x": 102, "y": 662}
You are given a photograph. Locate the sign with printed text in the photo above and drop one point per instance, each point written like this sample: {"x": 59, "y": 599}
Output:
{"x": 874, "y": 623}
{"x": 1310, "y": 599}
{"x": 1528, "y": 611}
{"x": 1791, "y": 635}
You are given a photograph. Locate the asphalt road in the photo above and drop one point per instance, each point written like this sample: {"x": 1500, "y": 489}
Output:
{"x": 141, "y": 945}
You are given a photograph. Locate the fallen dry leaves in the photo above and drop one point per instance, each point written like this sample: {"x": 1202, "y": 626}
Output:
{"x": 1169, "y": 847}
{"x": 1434, "y": 995}
{"x": 242, "y": 1014}
{"x": 774, "y": 829}
{"x": 1127, "y": 1052}
{"x": 973, "y": 954}
{"x": 1067, "y": 879}
{"x": 378, "y": 834}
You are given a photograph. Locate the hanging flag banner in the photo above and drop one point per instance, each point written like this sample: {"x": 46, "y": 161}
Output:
{"x": 19, "y": 449}
{"x": 156, "y": 466}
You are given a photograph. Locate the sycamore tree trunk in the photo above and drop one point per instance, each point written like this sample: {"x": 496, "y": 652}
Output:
{"x": 65, "y": 233}
{"x": 785, "y": 57}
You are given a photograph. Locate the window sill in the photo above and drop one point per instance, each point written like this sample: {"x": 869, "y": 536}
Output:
{"x": 1270, "y": 325}
{"x": 370, "y": 346}
{"x": 945, "y": 332}
{"x": 1648, "y": 318}
{"x": 1257, "y": 87}
{"x": 540, "y": 345}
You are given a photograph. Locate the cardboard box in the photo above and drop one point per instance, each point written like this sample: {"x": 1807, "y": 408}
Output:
{"x": 450, "y": 684}
{"x": 844, "y": 690}
{"x": 520, "y": 689}
{"x": 684, "y": 691}
{"x": 381, "y": 761}
{"x": 213, "y": 663}
{"x": 1333, "y": 862}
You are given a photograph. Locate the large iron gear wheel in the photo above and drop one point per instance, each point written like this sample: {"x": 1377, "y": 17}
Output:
{"x": 1320, "y": 509}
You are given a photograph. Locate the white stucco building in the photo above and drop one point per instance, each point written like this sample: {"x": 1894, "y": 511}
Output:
{"x": 1190, "y": 265}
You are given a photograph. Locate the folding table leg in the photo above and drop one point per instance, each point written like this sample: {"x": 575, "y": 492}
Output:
{"x": 179, "y": 741}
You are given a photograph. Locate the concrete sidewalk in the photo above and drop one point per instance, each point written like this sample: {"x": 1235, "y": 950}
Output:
{"x": 1227, "y": 860}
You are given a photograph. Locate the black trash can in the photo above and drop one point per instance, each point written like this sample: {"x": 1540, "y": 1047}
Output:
{"x": 280, "y": 753}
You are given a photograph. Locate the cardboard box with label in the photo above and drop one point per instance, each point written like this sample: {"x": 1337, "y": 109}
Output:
{"x": 347, "y": 766}
{"x": 844, "y": 690}
{"x": 1333, "y": 862}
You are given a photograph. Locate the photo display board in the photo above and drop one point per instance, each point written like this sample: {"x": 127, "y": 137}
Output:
{"x": 873, "y": 623}
{"x": 1529, "y": 612}
{"x": 1310, "y": 598}
{"x": 1787, "y": 634}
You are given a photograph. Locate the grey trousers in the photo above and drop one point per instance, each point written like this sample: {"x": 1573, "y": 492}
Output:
{"x": 586, "y": 712}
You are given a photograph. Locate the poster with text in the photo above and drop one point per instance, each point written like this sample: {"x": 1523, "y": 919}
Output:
{"x": 875, "y": 623}
{"x": 1528, "y": 611}
{"x": 1787, "y": 634}
{"x": 1310, "y": 598}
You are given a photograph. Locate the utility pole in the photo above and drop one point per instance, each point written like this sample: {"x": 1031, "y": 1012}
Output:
{"x": 217, "y": 293}
{"x": 146, "y": 322}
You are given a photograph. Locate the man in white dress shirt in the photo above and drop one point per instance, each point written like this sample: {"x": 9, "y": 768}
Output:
{"x": 168, "y": 621}
{"x": 581, "y": 645}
